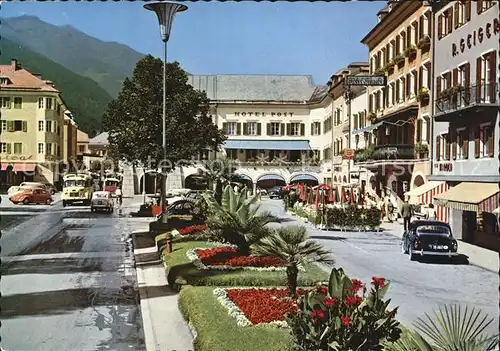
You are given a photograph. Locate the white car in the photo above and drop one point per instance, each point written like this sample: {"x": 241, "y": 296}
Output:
{"x": 102, "y": 201}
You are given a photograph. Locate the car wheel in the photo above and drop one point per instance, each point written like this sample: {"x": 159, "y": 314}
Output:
{"x": 26, "y": 201}
{"x": 48, "y": 201}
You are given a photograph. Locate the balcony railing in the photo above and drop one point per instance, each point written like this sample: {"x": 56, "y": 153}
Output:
{"x": 456, "y": 98}
{"x": 276, "y": 162}
{"x": 385, "y": 153}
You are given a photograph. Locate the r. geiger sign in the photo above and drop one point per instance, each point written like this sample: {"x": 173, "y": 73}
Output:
{"x": 477, "y": 36}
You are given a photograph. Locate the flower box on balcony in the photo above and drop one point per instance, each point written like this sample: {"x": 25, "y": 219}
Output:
{"x": 399, "y": 60}
{"x": 380, "y": 72}
{"x": 411, "y": 52}
{"x": 421, "y": 150}
{"x": 423, "y": 95}
{"x": 389, "y": 67}
{"x": 424, "y": 43}
{"x": 451, "y": 92}
{"x": 372, "y": 116}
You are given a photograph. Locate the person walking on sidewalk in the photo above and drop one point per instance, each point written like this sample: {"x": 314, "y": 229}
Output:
{"x": 406, "y": 213}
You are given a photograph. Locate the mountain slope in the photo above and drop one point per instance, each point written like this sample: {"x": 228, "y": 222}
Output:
{"x": 84, "y": 97}
{"x": 106, "y": 63}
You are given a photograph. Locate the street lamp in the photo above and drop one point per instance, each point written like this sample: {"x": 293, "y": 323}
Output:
{"x": 166, "y": 12}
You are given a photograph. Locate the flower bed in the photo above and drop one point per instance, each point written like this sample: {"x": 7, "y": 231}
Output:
{"x": 227, "y": 258}
{"x": 253, "y": 306}
{"x": 192, "y": 229}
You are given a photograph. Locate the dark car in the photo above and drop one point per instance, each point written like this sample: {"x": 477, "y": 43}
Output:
{"x": 275, "y": 192}
{"x": 429, "y": 238}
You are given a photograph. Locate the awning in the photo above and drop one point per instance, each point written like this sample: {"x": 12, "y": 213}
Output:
{"x": 473, "y": 197}
{"x": 367, "y": 128}
{"x": 299, "y": 177}
{"x": 423, "y": 188}
{"x": 271, "y": 177}
{"x": 5, "y": 166}
{"x": 23, "y": 167}
{"x": 301, "y": 145}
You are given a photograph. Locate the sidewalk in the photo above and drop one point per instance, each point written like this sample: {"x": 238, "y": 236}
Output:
{"x": 476, "y": 255}
{"x": 164, "y": 326}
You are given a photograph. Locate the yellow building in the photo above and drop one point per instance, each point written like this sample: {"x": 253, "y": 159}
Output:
{"x": 82, "y": 142}
{"x": 70, "y": 140}
{"x": 400, "y": 48}
{"x": 32, "y": 121}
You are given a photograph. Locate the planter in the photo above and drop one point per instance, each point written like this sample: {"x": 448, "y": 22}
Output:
{"x": 424, "y": 44}
{"x": 399, "y": 60}
{"x": 411, "y": 52}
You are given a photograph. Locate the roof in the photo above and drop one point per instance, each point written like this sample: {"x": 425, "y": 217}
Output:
{"x": 267, "y": 144}
{"x": 20, "y": 78}
{"x": 319, "y": 93}
{"x": 291, "y": 88}
{"x": 101, "y": 139}
{"x": 82, "y": 137}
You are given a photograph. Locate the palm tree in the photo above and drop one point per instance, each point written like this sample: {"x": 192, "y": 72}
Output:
{"x": 452, "y": 329}
{"x": 218, "y": 175}
{"x": 293, "y": 246}
{"x": 237, "y": 218}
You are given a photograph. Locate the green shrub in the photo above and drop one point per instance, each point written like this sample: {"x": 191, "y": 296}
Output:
{"x": 352, "y": 216}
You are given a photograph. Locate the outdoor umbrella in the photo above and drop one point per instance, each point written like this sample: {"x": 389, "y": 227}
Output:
{"x": 342, "y": 196}
{"x": 331, "y": 197}
{"x": 337, "y": 195}
{"x": 352, "y": 199}
{"x": 316, "y": 200}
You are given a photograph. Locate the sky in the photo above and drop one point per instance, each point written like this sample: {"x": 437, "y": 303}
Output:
{"x": 307, "y": 38}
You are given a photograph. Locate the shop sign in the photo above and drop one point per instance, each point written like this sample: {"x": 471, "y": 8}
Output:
{"x": 17, "y": 158}
{"x": 366, "y": 80}
{"x": 348, "y": 154}
{"x": 445, "y": 167}
{"x": 477, "y": 36}
{"x": 263, "y": 114}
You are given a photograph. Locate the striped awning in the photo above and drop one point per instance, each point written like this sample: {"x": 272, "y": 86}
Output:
{"x": 424, "y": 188}
{"x": 475, "y": 197}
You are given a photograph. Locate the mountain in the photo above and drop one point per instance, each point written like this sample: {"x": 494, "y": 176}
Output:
{"x": 107, "y": 63}
{"x": 83, "y": 96}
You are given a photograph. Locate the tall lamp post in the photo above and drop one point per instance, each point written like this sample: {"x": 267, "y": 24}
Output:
{"x": 165, "y": 11}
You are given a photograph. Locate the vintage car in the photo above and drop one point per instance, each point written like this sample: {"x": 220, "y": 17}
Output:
{"x": 428, "y": 238}
{"x": 420, "y": 211}
{"x": 102, "y": 201}
{"x": 275, "y": 192}
{"x": 37, "y": 195}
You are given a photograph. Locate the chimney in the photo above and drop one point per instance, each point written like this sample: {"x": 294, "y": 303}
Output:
{"x": 13, "y": 63}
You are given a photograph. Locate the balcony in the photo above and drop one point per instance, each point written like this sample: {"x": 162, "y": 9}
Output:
{"x": 460, "y": 98}
{"x": 391, "y": 153}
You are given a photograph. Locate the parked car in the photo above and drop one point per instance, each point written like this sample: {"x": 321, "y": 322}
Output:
{"x": 275, "y": 192}
{"x": 19, "y": 188}
{"x": 102, "y": 201}
{"x": 193, "y": 195}
{"x": 30, "y": 195}
{"x": 429, "y": 238}
{"x": 420, "y": 211}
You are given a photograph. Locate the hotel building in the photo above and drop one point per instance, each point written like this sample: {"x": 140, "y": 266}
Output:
{"x": 399, "y": 114}
{"x": 32, "y": 122}
{"x": 466, "y": 117}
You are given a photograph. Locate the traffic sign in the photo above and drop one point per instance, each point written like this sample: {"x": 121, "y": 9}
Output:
{"x": 367, "y": 80}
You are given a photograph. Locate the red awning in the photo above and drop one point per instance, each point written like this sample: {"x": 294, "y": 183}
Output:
{"x": 4, "y": 166}
{"x": 24, "y": 167}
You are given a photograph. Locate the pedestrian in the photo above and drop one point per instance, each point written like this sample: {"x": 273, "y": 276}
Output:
{"x": 390, "y": 210}
{"x": 119, "y": 195}
{"x": 406, "y": 213}
{"x": 431, "y": 213}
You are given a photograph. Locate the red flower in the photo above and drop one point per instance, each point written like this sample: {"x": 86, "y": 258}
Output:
{"x": 378, "y": 282}
{"x": 345, "y": 321}
{"x": 229, "y": 256}
{"x": 323, "y": 290}
{"x": 330, "y": 302}
{"x": 352, "y": 300}
{"x": 316, "y": 315}
{"x": 356, "y": 285}
{"x": 192, "y": 229}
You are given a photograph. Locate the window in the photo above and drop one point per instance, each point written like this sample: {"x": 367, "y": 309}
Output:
{"x": 58, "y": 130}
{"x": 295, "y": 129}
{"x": 40, "y": 126}
{"x": 413, "y": 84}
{"x": 445, "y": 150}
{"x": 4, "y": 125}
{"x": 18, "y": 126}
{"x": 275, "y": 128}
{"x": 402, "y": 42}
{"x": 419, "y": 130}
{"x": 48, "y": 148}
{"x": 485, "y": 78}
{"x": 316, "y": 128}
{"x": 48, "y": 126}
{"x": 231, "y": 128}
{"x": 487, "y": 144}
{"x": 5, "y": 148}
{"x": 252, "y": 128}
{"x": 414, "y": 33}
{"x": 18, "y": 102}
{"x": 392, "y": 49}
{"x": 4, "y": 102}
{"x": 445, "y": 23}
{"x": 400, "y": 90}
{"x": 462, "y": 144}
{"x": 18, "y": 148}
{"x": 483, "y": 5}
{"x": 40, "y": 148}
{"x": 81, "y": 148}
{"x": 40, "y": 103}
{"x": 49, "y": 103}
{"x": 58, "y": 150}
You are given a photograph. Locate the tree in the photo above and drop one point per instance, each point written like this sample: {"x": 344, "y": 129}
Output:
{"x": 293, "y": 246}
{"x": 134, "y": 119}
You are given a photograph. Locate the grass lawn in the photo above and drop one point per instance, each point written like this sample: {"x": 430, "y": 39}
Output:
{"x": 180, "y": 271}
{"x": 216, "y": 330}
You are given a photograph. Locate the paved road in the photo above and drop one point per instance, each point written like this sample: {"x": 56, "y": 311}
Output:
{"x": 68, "y": 283}
{"x": 415, "y": 287}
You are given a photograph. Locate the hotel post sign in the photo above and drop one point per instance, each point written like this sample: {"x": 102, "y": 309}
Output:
{"x": 366, "y": 80}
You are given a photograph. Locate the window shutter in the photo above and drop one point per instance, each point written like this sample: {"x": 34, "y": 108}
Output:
{"x": 479, "y": 6}
{"x": 238, "y": 128}
{"x": 319, "y": 128}
{"x": 429, "y": 16}
{"x": 438, "y": 86}
{"x": 312, "y": 128}
{"x": 355, "y": 122}
{"x": 420, "y": 27}
{"x": 449, "y": 79}
{"x": 408, "y": 36}
{"x": 415, "y": 83}
{"x": 370, "y": 103}
{"x": 477, "y": 144}
{"x": 493, "y": 75}
{"x": 282, "y": 128}
{"x": 245, "y": 129}
{"x": 9, "y": 150}
{"x": 438, "y": 147}
{"x": 302, "y": 129}
{"x": 408, "y": 84}
{"x": 491, "y": 145}
{"x": 440, "y": 26}
{"x": 448, "y": 147}
{"x": 467, "y": 10}
{"x": 397, "y": 92}
{"x": 224, "y": 127}
{"x": 467, "y": 82}
{"x": 10, "y": 126}
{"x": 268, "y": 127}
{"x": 25, "y": 126}
{"x": 457, "y": 13}
{"x": 455, "y": 77}
{"x": 421, "y": 77}
{"x": 288, "y": 129}
{"x": 454, "y": 144}
{"x": 259, "y": 128}
{"x": 450, "y": 20}
{"x": 479, "y": 63}
{"x": 398, "y": 45}
{"x": 466, "y": 144}
{"x": 419, "y": 130}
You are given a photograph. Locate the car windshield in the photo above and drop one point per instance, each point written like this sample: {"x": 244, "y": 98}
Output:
{"x": 111, "y": 183}
{"x": 73, "y": 182}
{"x": 434, "y": 229}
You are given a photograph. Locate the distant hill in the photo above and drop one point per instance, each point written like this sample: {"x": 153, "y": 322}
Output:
{"x": 107, "y": 63}
{"x": 84, "y": 97}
